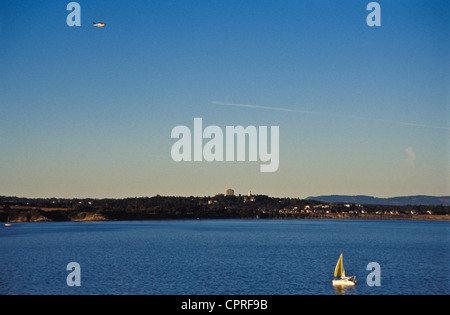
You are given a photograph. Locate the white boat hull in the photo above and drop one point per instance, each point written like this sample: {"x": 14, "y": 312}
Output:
{"x": 344, "y": 282}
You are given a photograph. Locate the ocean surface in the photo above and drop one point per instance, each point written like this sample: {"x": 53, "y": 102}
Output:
{"x": 229, "y": 257}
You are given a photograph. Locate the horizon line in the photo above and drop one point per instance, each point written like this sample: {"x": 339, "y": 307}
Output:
{"x": 235, "y": 195}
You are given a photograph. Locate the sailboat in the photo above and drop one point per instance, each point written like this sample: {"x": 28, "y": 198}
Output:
{"x": 340, "y": 272}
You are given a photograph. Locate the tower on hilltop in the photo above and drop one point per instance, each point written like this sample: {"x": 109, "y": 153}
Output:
{"x": 229, "y": 192}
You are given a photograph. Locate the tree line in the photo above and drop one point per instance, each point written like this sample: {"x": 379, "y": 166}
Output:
{"x": 173, "y": 207}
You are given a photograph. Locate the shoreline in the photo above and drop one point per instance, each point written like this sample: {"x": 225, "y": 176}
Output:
{"x": 98, "y": 218}
{"x": 14, "y": 209}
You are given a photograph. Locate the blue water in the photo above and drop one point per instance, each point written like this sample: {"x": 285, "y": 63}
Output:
{"x": 270, "y": 257}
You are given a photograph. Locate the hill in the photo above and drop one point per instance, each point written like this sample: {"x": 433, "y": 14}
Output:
{"x": 14, "y": 209}
{"x": 419, "y": 200}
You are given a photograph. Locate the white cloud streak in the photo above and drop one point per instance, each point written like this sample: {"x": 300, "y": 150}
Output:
{"x": 282, "y": 109}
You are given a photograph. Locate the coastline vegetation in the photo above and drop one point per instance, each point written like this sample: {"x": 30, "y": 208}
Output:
{"x": 16, "y": 209}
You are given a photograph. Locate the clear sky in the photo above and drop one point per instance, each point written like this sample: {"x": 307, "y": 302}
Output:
{"x": 88, "y": 112}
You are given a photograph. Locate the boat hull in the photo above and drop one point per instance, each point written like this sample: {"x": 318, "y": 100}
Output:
{"x": 344, "y": 282}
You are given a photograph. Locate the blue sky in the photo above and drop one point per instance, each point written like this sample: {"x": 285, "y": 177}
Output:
{"x": 88, "y": 112}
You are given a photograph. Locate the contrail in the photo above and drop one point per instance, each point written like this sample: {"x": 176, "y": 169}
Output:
{"x": 282, "y": 109}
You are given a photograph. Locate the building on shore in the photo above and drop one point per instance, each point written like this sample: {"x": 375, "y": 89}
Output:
{"x": 229, "y": 192}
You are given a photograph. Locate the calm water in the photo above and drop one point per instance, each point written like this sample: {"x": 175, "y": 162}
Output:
{"x": 224, "y": 256}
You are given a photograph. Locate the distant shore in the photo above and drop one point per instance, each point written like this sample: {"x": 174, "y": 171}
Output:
{"x": 47, "y": 216}
{"x": 14, "y": 209}
{"x": 98, "y": 218}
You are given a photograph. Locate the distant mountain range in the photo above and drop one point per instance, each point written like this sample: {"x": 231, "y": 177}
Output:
{"x": 394, "y": 201}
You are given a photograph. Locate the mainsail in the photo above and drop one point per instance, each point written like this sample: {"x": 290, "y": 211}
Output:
{"x": 339, "y": 270}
